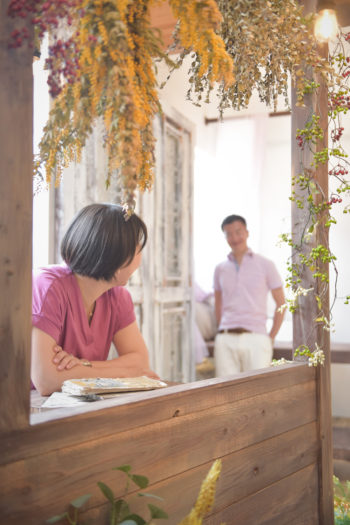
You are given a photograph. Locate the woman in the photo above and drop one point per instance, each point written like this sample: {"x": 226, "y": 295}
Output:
{"x": 80, "y": 307}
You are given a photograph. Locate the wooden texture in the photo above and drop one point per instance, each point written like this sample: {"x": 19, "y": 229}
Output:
{"x": 288, "y": 501}
{"x": 249, "y": 422}
{"x": 305, "y": 330}
{"x": 339, "y": 353}
{"x": 343, "y": 12}
{"x": 15, "y": 225}
{"x": 95, "y": 420}
{"x": 341, "y": 439}
{"x": 323, "y": 336}
{"x": 162, "y": 18}
{"x": 264, "y": 425}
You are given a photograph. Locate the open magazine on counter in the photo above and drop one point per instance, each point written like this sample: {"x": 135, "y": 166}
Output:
{"x": 103, "y": 385}
{"x": 77, "y": 392}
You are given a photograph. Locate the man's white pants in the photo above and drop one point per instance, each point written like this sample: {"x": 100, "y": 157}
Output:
{"x": 236, "y": 353}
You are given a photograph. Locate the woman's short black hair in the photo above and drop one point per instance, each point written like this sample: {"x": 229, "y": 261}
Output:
{"x": 99, "y": 240}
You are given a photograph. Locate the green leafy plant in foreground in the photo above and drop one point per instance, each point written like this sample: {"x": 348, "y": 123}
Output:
{"x": 341, "y": 502}
{"x": 120, "y": 512}
{"x": 71, "y": 516}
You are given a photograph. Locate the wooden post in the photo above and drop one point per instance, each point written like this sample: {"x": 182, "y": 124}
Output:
{"x": 16, "y": 123}
{"x": 323, "y": 336}
{"x": 305, "y": 330}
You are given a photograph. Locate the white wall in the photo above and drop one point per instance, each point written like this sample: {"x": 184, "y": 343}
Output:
{"x": 221, "y": 189}
{"x": 218, "y": 192}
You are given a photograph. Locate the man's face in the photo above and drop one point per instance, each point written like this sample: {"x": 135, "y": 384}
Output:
{"x": 236, "y": 236}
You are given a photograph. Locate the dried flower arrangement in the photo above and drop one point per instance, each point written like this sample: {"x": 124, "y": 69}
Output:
{"x": 102, "y": 61}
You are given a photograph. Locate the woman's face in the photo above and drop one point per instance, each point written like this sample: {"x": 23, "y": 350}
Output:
{"x": 125, "y": 272}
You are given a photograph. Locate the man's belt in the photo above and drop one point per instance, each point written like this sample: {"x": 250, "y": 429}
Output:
{"x": 234, "y": 331}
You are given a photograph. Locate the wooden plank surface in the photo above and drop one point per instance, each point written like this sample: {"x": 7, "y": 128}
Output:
{"x": 243, "y": 473}
{"x": 341, "y": 438}
{"x": 323, "y": 377}
{"x": 147, "y": 408}
{"x": 160, "y": 450}
{"x": 305, "y": 330}
{"x": 289, "y": 501}
{"x": 16, "y": 157}
{"x": 343, "y": 12}
{"x": 162, "y": 18}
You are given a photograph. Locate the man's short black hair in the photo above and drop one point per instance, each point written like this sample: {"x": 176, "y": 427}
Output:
{"x": 99, "y": 240}
{"x": 232, "y": 218}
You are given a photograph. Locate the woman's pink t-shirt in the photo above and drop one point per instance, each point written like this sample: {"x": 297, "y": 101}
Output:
{"x": 58, "y": 310}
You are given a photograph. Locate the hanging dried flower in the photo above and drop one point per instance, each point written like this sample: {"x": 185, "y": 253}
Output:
{"x": 103, "y": 68}
{"x": 206, "y": 496}
{"x": 268, "y": 41}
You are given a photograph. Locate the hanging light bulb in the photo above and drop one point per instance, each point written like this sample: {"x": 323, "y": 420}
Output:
{"x": 326, "y": 25}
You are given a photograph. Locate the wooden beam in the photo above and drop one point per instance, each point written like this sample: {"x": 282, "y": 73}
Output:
{"x": 323, "y": 336}
{"x": 233, "y": 117}
{"x": 162, "y": 18}
{"x": 305, "y": 330}
{"x": 343, "y": 12}
{"x": 16, "y": 159}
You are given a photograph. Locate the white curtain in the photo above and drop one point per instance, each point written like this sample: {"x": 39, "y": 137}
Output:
{"x": 227, "y": 181}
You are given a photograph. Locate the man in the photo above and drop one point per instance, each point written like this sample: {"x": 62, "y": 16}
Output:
{"x": 241, "y": 285}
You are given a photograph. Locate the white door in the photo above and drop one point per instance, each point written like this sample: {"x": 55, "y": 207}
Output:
{"x": 167, "y": 267}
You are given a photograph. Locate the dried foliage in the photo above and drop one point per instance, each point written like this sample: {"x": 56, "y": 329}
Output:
{"x": 104, "y": 68}
{"x": 206, "y": 496}
{"x": 268, "y": 41}
{"x": 114, "y": 79}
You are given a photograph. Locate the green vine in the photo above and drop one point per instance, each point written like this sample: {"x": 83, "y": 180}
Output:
{"x": 308, "y": 196}
{"x": 341, "y": 502}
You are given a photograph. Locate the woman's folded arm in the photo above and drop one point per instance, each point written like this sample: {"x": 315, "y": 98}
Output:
{"x": 46, "y": 365}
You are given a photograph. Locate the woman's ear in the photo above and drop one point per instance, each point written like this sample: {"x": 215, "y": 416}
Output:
{"x": 115, "y": 277}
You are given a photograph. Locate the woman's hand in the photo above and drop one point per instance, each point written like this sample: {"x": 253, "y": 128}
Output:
{"x": 63, "y": 360}
{"x": 149, "y": 373}
{"x": 51, "y": 365}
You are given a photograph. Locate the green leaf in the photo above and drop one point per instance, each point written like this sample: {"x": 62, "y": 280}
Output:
{"x": 140, "y": 481}
{"x": 79, "y": 502}
{"x": 148, "y": 495}
{"x": 123, "y": 468}
{"x": 106, "y": 491}
{"x": 134, "y": 518}
{"x": 129, "y": 522}
{"x": 121, "y": 508}
{"x": 57, "y": 518}
{"x": 156, "y": 512}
